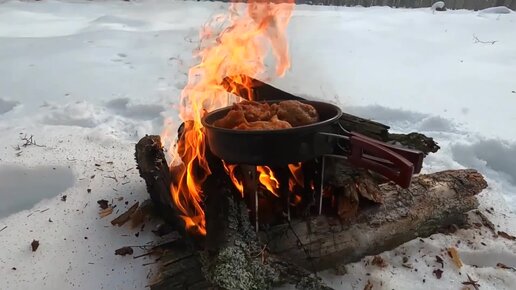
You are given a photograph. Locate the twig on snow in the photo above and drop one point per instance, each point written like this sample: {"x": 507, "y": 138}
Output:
{"x": 486, "y": 42}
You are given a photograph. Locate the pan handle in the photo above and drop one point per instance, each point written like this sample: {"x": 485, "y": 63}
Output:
{"x": 402, "y": 171}
{"x": 373, "y": 156}
{"x": 414, "y": 156}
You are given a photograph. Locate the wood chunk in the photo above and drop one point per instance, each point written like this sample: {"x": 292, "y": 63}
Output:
{"x": 471, "y": 282}
{"x": 105, "y": 212}
{"x": 368, "y": 187}
{"x": 438, "y": 273}
{"x": 503, "y": 266}
{"x": 163, "y": 229}
{"x": 138, "y": 217}
{"x": 103, "y": 203}
{"x": 153, "y": 168}
{"x": 123, "y": 218}
{"x": 415, "y": 141}
{"x": 124, "y": 251}
{"x": 368, "y": 285}
{"x": 439, "y": 260}
{"x": 454, "y": 254}
{"x": 347, "y": 199}
{"x": 34, "y": 245}
{"x": 379, "y": 261}
{"x": 506, "y": 236}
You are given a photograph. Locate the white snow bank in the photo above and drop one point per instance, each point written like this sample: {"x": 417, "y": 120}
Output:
{"x": 496, "y": 10}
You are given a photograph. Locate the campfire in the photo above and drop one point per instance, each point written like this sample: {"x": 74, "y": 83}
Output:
{"x": 245, "y": 198}
{"x": 240, "y": 49}
{"x": 268, "y": 167}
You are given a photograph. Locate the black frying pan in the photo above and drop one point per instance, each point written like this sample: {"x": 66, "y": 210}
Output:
{"x": 298, "y": 144}
{"x": 272, "y": 147}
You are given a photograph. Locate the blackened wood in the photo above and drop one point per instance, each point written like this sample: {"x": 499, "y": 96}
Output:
{"x": 180, "y": 268}
{"x": 255, "y": 90}
{"x": 432, "y": 201}
{"x": 153, "y": 168}
{"x": 366, "y": 127}
{"x": 414, "y": 140}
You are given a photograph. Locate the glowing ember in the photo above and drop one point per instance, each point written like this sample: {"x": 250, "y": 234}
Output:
{"x": 240, "y": 49}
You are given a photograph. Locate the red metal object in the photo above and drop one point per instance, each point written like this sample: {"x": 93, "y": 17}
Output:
{"x": 372, "y": 156}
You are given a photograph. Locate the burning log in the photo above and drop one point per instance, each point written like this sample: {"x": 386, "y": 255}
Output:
{"x": 154, "y": 169}
{"x": 232, "y": 250}
{"x": 231, "y": 256}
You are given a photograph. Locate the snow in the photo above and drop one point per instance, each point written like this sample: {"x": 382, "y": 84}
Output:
{"x": 496, "y": 10}
{"x": 437, "y": 5}
{"x": 89, "y": 78}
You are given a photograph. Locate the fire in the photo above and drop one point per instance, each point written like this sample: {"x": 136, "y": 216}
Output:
{"x": 239, "y": 49}
{"x": 230, "y": 170}
{"x": 296, "y": 177}
{"x": 268, "y": 179}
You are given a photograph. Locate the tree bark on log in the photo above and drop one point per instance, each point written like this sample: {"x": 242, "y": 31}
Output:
{"x": 432, "y": 201}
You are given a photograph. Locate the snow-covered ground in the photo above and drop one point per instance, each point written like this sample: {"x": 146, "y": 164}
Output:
{"x": 88, "y": 79}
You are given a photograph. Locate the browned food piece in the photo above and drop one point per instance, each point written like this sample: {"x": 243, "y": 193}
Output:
{"x": 296, "y": 113}
{"x": 232, "y": 119}
{"x": 254, "y": 111}
{"x": 249, "y": 115}
{"x": 273, "y": 124}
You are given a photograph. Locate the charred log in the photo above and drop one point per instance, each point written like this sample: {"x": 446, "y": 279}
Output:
{"x": 153, "y": 168}
{"x": 231, "y": 257}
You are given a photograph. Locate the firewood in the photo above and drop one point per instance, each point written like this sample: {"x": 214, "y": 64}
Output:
{"x": 232, "y": 250}
{"x": 153, "y": 168}
{"x": 124, "y": 217}
{"x": 431, "y": 202}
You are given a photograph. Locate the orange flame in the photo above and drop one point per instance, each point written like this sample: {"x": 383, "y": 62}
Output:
{"x": 239, "y": 49}
{"x": 268, "y": 179}
{"x": 296, "y": 177}
{"x": 230, "y": 170}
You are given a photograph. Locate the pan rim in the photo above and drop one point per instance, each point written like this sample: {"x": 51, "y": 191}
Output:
{"x": 331, "y": 120}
